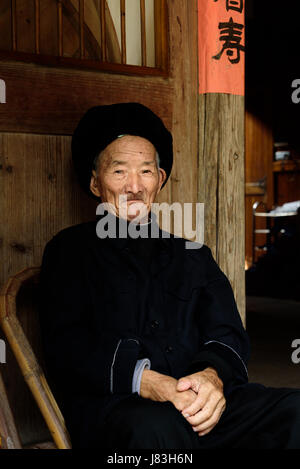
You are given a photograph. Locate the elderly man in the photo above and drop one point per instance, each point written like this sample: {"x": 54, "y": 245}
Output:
{"x": 143, "y": 341}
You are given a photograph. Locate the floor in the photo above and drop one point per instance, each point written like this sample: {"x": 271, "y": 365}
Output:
{"x": 273, "y": 324}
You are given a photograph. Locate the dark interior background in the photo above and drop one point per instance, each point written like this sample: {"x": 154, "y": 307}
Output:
{"x": 272, "y": 63}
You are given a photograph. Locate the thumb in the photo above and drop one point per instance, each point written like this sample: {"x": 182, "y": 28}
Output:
{"x": 183, "y": 384}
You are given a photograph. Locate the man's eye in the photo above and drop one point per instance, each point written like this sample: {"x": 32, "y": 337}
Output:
{"x": 145, "y": 171}
{"x": 119, "y": 171}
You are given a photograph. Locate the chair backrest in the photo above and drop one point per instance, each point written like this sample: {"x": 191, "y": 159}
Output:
{"x": 19, "y": 322}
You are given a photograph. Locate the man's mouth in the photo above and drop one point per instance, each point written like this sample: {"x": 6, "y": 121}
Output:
{"x": 135, "y": 201}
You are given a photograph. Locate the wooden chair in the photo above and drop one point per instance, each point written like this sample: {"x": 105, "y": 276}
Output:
{"x": 9, "y": 438}
{"x": 19, "y": 322}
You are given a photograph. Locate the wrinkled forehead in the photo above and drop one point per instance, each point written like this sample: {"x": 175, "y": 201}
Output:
{"x": 128, "y": 145}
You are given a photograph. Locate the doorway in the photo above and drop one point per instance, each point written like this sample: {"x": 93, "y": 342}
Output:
{"x": 272, "y": 194}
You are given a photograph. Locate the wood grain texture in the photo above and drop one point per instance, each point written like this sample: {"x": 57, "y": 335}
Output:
{"x": 71, "y": 29}
{"x": 41, "y": 197}
{"x": 287, "y": 187}
{"x": 221, "y": 176}
{"x": 5, "y": 25}
{"x": 51, "y": 101}
{"x": 143, "y": 32}
{"x": 163, "y": 26}
{"x": 25, "y": 25}
{"x": 183, "y": 70}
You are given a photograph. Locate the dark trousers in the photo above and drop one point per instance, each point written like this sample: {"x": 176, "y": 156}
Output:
{"x": 255, "y": 417}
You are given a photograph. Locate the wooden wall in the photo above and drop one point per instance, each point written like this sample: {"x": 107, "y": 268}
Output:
{"x": 39, "y": 196}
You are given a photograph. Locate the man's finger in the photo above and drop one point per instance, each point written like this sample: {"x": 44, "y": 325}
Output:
{"x": 205, "y": 432}
{"x": 183, "y": 384}
{"x": 207, "y": 410}
{"x": 209, "y": 423}
{"x": 207, "y": 426}
{"x": 199, "y": 403}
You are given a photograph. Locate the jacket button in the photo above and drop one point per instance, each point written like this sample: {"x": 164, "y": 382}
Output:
{"x": 169, "y": 348}
{"x": 154, "y": 324}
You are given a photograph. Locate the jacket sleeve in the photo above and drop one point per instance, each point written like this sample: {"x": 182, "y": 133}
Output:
{"x": 224, "y": 343}
{"x": 77, "y": 360}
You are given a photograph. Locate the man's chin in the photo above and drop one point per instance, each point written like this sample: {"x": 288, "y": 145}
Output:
{"x": 135, "y": 212}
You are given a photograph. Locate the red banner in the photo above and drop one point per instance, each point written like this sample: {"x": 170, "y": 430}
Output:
{"x": 221, "y": 26}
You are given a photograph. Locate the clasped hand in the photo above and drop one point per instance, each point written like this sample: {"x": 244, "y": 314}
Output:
{"x": 205, "y": 407}
{"x": 199, "y": 397}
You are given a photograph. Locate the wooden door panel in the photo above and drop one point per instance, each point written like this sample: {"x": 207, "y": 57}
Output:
{"x": 41, "y": 197}
{"x": 51, "y": 101}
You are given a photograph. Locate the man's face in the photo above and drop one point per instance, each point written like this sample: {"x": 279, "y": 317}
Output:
{"x": 128, "y": 177}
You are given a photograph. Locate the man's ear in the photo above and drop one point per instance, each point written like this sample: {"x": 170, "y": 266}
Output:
{"x": 94, "y": 187}
{"x": 162, "y": 178}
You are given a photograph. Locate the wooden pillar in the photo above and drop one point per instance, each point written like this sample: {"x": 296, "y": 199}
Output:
{"x": 221, "y": 184}
{"x": 221, "y": 116}
{"x": 183, "y": 71}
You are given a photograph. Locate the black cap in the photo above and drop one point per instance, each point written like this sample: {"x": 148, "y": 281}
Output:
{"x": 101, "y": 125}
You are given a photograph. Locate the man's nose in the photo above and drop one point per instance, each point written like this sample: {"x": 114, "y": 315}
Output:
{"x": 133, "y": 183}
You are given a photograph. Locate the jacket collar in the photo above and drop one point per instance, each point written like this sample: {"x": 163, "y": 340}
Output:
{"x": 163, "y": 240}
{"x": 120, "y": 232}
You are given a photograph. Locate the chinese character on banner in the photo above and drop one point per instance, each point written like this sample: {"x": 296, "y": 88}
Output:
{"x": 234, "y": 5}
{"x": 221, "y": 32}
{"x": 231, "y": 35}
